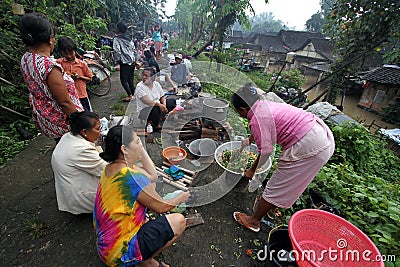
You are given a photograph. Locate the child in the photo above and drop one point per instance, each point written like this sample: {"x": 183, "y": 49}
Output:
{"x": 165, "y": 45}
{"x": 76, "y": 68}
{"x": 156, "y": 37}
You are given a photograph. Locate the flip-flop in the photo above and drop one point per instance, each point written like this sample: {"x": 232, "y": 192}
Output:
{"x": 236, "y": 216}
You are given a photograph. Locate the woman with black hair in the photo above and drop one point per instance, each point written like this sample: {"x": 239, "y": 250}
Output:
{"x": 77, "y": 165}
{"x": 150, "y": 61}
{"x": 52, "y": 92}
{"x": 150, "y": 100}
{"x": 124, "y": 54}
{"x": 307, "y": 144}
{"x": 126, "y": 190}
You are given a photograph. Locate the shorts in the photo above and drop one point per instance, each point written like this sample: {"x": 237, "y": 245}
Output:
{"x": 153, "y": 235}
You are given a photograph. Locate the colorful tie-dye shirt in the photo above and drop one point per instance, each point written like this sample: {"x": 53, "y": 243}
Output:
{"x": 118, "y": 216}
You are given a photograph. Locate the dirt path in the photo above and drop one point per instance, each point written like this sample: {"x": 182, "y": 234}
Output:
{"x": 35, "y": 233}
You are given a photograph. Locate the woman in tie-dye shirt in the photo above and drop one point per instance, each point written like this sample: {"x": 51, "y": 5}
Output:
{"x": 125, "y": 191}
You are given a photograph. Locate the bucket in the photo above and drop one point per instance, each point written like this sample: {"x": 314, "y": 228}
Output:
{"x": 280, "y": 248}
{"x": 216, "y": 109}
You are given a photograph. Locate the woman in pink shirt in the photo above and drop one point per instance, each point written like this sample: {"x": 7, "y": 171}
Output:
{"x": 307, "y": 144}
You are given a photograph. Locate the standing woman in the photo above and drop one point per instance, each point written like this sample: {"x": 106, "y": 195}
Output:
{"x": 156, "y": 37}
{"x": 125, "y": 192}
{"x": 77, "y": 165}
{"x": 52, "y": 93}
{"x": 124, "y": 54}
{"x": 307, "y": 144}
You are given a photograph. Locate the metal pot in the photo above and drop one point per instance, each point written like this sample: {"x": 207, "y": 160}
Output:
{"x": 216, "y": 109}
{"x": 232, "y": 145}
{"x": 203, "y": 147}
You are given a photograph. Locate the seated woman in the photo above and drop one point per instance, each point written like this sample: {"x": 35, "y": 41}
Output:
{"x": 150, "y": 61}
{"x": 124, "y": 238}
{"x": 77, "y": 165}
{"x": 150, "y": 100}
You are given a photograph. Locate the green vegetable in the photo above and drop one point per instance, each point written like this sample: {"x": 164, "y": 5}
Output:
{"x": 237, "y": 161}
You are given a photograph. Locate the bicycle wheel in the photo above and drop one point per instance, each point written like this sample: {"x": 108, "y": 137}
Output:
{"x": 101, "y": 82}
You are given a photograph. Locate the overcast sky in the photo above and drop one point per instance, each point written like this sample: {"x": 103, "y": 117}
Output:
{"x": 294, "y": 13}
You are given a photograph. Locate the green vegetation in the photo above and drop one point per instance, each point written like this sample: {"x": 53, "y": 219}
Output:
{"x": 361, "y": 28}
{"x": 36, "y": 227}
{"x": 119, "y": 109}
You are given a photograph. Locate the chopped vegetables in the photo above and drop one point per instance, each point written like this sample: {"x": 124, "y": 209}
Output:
{"x": 236, "y": 160}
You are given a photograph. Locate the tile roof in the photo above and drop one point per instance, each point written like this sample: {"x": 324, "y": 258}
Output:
{"x": 295, "y": 39}
{"x": 237, "y": 39}
{"x": 271, "y": 43}
{"x": 388, "y": 74}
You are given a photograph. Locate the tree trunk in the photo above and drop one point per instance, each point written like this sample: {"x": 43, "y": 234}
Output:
{"x": 195, "y": 41}
{"x": 195, "y": 55}
{"x": 198, "y": 36}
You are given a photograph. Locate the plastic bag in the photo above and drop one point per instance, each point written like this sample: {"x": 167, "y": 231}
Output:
{"x": 181, "y": 207}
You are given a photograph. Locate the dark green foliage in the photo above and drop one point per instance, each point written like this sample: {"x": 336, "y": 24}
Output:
{"x": 392, "y": 113}
{"x": 361, "y": 28}
{"x": 365, "y": 152}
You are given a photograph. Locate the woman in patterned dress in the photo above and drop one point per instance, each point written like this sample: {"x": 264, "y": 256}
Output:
{"x": 125, "y": 192}
{"x": 52, "y": 93}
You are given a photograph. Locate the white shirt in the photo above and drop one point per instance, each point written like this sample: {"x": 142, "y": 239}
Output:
{"x": 153, "y": 94}
{"x": 77, "y": 168}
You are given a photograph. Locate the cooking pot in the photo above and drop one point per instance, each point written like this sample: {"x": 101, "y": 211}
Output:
{"x": 202, "y": 147}
{"x": 232, "y": 145}
{"x": 216, "y": 109}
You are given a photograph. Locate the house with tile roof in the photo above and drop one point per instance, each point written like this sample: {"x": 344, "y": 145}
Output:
{"x": 382, "y": 88}
{"x": 294, "y": 40}
{"x": 310, "y": 47}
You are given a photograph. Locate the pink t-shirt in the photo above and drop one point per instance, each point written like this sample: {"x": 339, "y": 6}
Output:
{"x": 46, "y": 113}
{"x": 277, "y": 123}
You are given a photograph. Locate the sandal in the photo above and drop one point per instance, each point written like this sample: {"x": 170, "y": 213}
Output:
{"x": 236, "y": 216}
{"x": 128, "y": 98}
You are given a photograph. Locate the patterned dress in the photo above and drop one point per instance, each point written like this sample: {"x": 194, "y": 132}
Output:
{"x": 47, "y": 114}
{"x": 118, "y": 216}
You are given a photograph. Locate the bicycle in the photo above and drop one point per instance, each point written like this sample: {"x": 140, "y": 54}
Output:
{"x": 100, "y": 84}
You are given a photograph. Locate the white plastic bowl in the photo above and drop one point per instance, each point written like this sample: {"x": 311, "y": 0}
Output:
{"x": 235, "y": 145}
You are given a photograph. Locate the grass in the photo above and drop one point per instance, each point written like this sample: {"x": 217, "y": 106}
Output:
{"x": 36, "y": 228}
